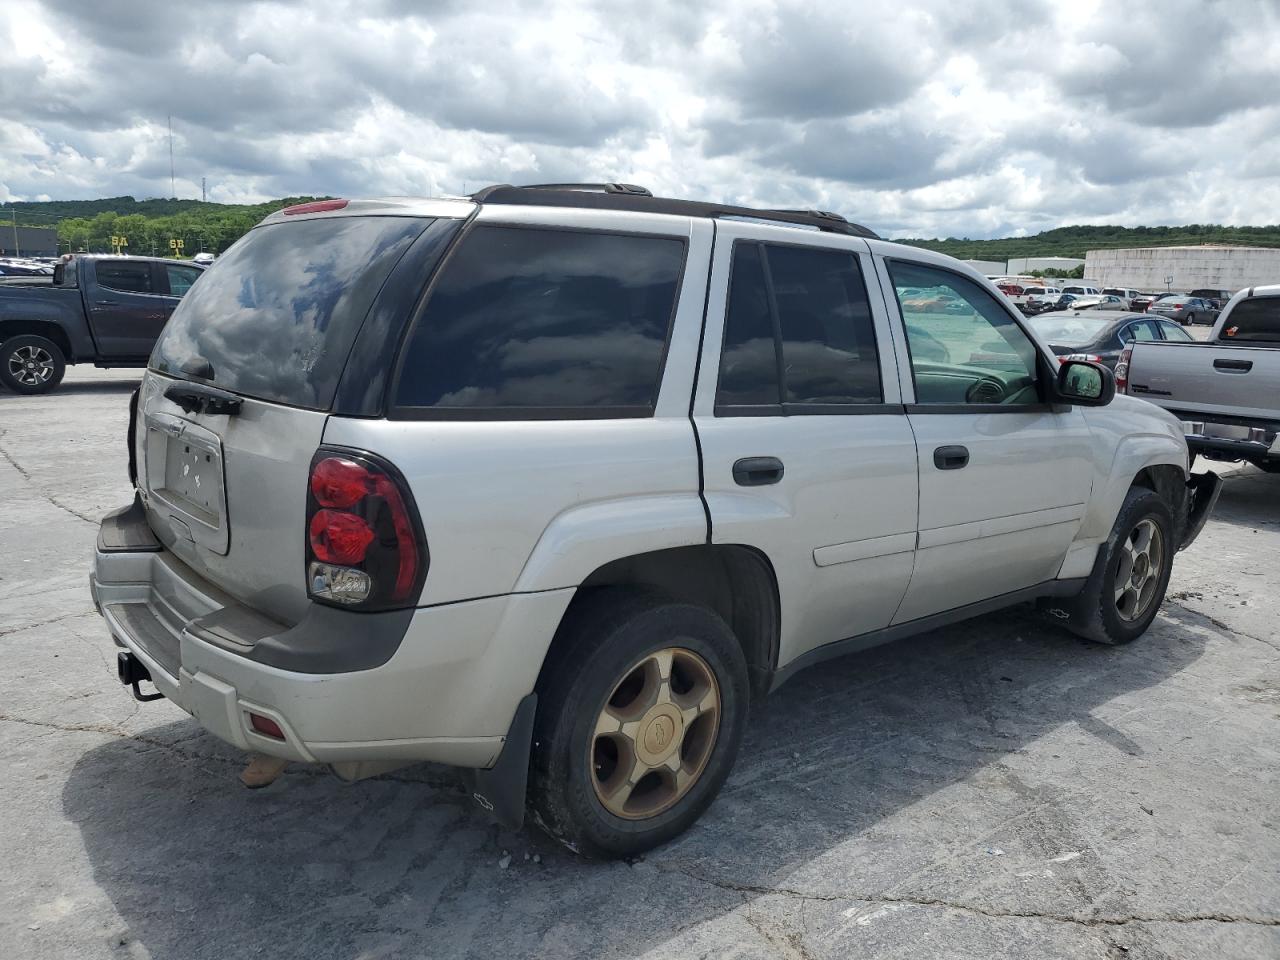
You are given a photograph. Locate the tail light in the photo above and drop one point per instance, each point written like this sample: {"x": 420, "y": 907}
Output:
{"x": 1122, "y": 370}
{"x": 315, "y": 206}
{"x": 365, "y": 548}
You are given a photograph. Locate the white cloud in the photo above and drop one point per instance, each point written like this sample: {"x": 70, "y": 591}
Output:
{"x": 929, "y": 118}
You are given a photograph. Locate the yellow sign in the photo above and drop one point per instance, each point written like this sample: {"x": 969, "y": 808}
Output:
{"x": 118, "y": 242}
{"x": 176, "y": 244}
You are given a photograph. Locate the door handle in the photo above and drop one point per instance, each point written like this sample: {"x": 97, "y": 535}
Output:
{"x": 951, "y": 458}
{"x": 757, "y": 471}
{"x": 1236, "y": 366}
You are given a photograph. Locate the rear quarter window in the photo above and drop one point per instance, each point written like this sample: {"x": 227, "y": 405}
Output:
{"x": 545, "y": 324}
{"x": 276, "y": 315}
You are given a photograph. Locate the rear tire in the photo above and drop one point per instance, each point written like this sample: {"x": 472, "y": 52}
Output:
{"x": 1190, "y": 321}
{"x": 641, "y": 711}
{"x": 1129, "y": 578}
{"x": 30, "y": 364}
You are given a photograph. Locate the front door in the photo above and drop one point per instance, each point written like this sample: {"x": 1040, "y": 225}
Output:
{"x": 807, "y": 453}
{"x": 1004, "y": 478}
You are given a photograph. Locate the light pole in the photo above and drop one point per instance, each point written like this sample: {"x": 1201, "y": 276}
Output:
{"x": 13, "y": 212}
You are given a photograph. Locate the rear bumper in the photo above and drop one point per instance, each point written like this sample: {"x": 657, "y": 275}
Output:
{"x": 1254, "y": 441}
{"x": 447, "y": 693}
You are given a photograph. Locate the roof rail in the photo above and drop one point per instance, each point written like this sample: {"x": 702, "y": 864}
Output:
{"x": 624, "y": 196}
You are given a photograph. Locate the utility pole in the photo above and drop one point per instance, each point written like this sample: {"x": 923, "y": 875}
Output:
{"x": 203, "y": 198}
{"x": 13, "y": 211}
{"x": 173, "y": 191}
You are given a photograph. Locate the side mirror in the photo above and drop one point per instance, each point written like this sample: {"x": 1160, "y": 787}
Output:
{"x": 1085, "y": 384}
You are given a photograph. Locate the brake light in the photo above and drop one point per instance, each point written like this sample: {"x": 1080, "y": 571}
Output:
{"x": 315, "y": 206}
{"x": 266, "y": 726}
{"x": 364, "y": 542}
{"x": 1122, "y": 369}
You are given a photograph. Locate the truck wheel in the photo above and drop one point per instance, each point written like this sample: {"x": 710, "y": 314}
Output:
{"x": 31, "y": 364}
{"x": 1129, "y": 579}
{"x": 642, "y": 709}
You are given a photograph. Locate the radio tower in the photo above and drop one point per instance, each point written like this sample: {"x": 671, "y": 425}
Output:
{"x": 173, "y": 191}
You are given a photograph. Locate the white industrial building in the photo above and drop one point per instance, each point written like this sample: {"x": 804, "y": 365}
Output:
{"x": 1021, "y": 266}
{"x": 988, "y": 268}
{"x": 1208, "y": 266}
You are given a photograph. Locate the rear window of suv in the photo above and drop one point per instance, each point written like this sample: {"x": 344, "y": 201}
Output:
{"x": 542, "y": 323}
{"x": 276, "y": 315}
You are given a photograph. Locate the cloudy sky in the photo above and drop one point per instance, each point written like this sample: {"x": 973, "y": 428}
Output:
{"x": 976, "y": 119}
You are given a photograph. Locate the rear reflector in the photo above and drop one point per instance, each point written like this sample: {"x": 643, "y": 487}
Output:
{"x": 315, "y": 206}
{"x": 265, "y": 726}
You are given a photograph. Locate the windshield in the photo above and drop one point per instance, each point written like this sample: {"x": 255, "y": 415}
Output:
{"x": 1256, "y": 320}
{"x": 1069, "y": 331}
{"x": 276, "y": 315}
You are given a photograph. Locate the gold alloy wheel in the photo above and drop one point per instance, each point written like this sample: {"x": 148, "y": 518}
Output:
{"x": 652, "y": 739}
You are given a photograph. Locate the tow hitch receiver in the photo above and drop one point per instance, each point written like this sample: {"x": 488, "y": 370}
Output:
{"x": 131, "y": 672}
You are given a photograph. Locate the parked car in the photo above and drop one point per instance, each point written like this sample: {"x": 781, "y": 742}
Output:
{"x": 1226, "y": 390}
{"x": 1099, "y": 336}
{"x": 107, "y": 311}
{"x": 1063, "y": 302}
{"x": 1216, "y": 297}
{"x": 1127, "y": 294}
{"x": 1143, "y": 301}
{"x": 553, "y": 482}
{"x": 1033, "y": 299}
{"x": 1081, "y": 291}
{"x": 1185, "y": 309}
{"x": 1010, "y": 289}
{"x": 1100, "y": 302}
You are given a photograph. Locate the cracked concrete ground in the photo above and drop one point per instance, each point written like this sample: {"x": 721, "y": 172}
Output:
{"x": 996, "y": 789}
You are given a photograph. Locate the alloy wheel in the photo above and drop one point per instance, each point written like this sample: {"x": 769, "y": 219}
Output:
{"x": 1138, "y": 574}
{"x": 31, "y": 365}
{"x": 655, "y": 733}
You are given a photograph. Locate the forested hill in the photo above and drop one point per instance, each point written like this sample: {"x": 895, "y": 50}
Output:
{"x": 150, "y": 225}
{"x": 1074, "y": 241}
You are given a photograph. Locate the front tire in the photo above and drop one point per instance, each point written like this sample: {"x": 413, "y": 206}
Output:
{"x": 1130, "y": 577}
{"x": 643, "y": 706}
{"x": 30, "y": 364}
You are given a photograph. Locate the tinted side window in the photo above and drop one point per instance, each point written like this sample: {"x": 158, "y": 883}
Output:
{"x": 828, "y": 343}
{"x": 1257, "y": 319}
{"x": 180, "y": 278}
{"x": 748, "y": 358}
{"x": 809, "y": 307}
{"x": 120, "y": 275}
{"x": 546, "y": 322}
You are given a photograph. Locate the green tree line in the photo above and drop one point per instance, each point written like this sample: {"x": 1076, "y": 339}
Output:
{"x": 149, "y": 225}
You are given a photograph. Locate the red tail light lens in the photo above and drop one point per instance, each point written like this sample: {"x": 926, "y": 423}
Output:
{"x": 339, "y": 537}
{"x": 266, "y": 726}
{"x": 1122, "y": 370}
{"x": 338, "y": 482}
{"x": 365, "y": 548}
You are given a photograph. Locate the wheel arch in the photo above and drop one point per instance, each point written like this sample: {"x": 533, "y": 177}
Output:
{"x": 735, "y": 581}
{"x": 48, "y": 329}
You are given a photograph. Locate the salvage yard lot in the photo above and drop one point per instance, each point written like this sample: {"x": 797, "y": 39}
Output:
{"x": 994, "y": 789}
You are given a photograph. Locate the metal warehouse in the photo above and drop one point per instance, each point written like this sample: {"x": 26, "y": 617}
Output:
{"x": 1211, "y": 266}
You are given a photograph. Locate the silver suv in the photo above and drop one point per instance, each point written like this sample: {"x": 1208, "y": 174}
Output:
{"x": 551, "y": 483}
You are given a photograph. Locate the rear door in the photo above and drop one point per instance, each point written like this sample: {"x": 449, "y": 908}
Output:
{"x": 807, "y": 454}
{"x": 273, "y": 322}
{"x": 126, "y": 307}
{"x": 1004, "y": 478}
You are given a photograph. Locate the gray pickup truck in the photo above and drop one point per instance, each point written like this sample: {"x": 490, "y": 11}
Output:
{"x": 103, "y": 310}
{"x": 1226, "y": 391}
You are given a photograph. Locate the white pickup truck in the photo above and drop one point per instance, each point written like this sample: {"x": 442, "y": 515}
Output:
{"x": 1225, "y": 391}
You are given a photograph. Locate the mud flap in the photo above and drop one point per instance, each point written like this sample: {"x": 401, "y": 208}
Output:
{"x": 500, "y": 790}
{"x": 1202, "y": 494}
